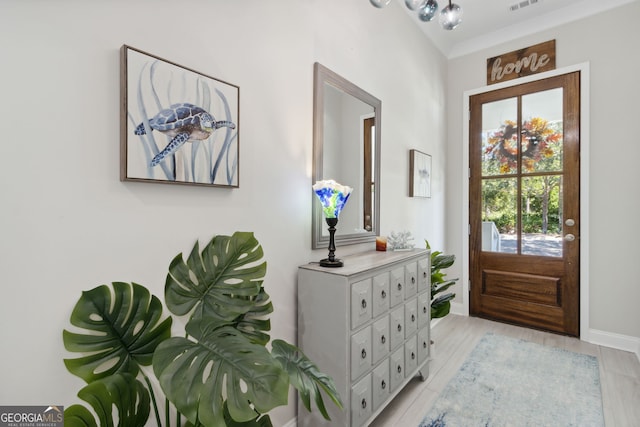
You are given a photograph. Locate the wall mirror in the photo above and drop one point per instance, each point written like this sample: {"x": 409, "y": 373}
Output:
{"x": 346, "y": 148}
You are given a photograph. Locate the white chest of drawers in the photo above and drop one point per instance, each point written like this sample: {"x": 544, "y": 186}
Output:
{"x": 367, "y": 326}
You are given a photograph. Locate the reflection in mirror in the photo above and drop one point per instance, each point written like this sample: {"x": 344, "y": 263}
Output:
{"x": 346, "y": 148}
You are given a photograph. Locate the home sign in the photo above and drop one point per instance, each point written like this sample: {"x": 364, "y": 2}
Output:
{"x": 522, "y": 62}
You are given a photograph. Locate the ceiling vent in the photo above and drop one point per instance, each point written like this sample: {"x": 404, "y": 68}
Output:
{"x": 522, "y": 4}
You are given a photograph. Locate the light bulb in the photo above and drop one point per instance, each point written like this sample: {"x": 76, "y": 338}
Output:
{"x": 451, "y": 16}
{"x": 414, "y": 4}
{"x": 428, "y": 10}
{"x": 380, "y": 3}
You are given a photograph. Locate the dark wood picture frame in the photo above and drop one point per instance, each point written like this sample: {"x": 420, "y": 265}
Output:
{"x": 177, "y": 125}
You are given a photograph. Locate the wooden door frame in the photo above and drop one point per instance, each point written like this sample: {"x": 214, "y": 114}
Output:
{"x": 583, "y": 68}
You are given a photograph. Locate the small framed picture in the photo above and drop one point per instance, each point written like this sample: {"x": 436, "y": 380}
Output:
{"x": 178, "y": 125}
{"x": 419, "y": 174}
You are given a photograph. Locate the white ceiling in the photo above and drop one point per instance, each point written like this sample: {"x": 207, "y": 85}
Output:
{"x": 487, "y": 23}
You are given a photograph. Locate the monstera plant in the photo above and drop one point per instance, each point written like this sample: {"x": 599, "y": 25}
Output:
{"x": 220, "y": 373}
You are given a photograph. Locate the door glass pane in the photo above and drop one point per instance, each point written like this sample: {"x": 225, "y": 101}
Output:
{"x": 523, "y": 161}
{"x": 542, "y": 215}
{"x": 542, "y": 147}
{"x": 499, "y": 215}
{"x": 500, "y": 137}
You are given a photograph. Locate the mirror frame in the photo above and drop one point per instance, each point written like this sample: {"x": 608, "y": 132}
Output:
{"x": 322, "y": 76}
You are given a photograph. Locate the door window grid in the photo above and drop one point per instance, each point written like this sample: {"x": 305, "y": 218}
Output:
{"x": 523, "y": 162}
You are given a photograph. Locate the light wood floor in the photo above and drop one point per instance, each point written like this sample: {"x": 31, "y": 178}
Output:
{"x": 455, "y": 337}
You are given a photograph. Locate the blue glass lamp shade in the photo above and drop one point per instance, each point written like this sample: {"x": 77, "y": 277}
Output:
{"x": 332, "y": 196}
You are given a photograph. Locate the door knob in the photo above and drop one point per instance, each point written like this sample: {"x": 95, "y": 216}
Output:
{"x": 570, "y": 222}
{"x": 569, "y": 237}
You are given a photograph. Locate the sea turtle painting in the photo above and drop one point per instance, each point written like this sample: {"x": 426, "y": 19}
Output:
{"x": 182, "y": 122}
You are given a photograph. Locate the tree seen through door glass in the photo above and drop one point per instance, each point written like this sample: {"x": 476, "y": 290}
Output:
{"x": 499, "y": 214}
{"x": 541, "y": 215}
{"x": 522, "y": 156}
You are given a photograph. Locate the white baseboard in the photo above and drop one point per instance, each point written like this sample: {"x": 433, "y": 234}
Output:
{"x": 293, "y": 422}
{"x": 459, "y": 308}
{"x": 610, "y": 339}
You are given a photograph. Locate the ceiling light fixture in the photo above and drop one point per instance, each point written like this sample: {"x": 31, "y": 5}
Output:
{"x": 380, "y": 3}
{"x": 450, "y": 16}
{"x": 427, "y": 11}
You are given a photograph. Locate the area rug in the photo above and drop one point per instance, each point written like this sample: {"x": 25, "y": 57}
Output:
{"x": 512, "y": 382}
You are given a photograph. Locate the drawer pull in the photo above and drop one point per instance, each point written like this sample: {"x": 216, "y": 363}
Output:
{"x": 364, "y": 353}
{"x": 424, "y": 344}
{"x": 399, "y": 286}
{"x": 413, "y": 317}
{"x": 364, "y": 303}
{"x": 383, "y": 339}
{"x": 413, "y": 356}
{"x": 364, "y": 403}
{"x": 383, "y": 294}
{"x": 424, "y": 309}
{"x": 424, "y": 274}
{"x": 399, "y": 327}
{"x": 413, "y": 279}
{"x": 383, "y": 384}
{"x": 399, "y": 369}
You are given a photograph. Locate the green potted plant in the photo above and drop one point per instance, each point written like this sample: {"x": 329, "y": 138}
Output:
{"x": 219, "y": 374}
{"x": 440, "y": 304}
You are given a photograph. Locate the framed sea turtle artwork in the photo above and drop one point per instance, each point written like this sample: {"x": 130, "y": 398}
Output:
{"x": 177, "y": 125}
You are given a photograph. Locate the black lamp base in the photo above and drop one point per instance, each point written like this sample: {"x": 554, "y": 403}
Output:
{"x": 331, "y": 262}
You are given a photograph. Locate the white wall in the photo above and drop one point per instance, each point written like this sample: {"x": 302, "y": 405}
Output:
{"x": 608, "y": 42}
{"x": 68, "y": 224}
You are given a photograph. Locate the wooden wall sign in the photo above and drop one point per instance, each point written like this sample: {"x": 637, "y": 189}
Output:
{"x": 522, "y": 62}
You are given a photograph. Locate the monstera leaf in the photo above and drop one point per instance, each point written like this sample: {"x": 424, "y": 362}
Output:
{"x": 123, "y": 327}
{"x": 79, "y": 416}
{"x": 305, "y": 376}
{"x": 254, "y": 323}
{"x": 219, "y": 375}
{"x": 122, "y": 391}
{"x": 220, "y": 283}
{"x": 260, "y": 421}
{"x": 196, "y": 375}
